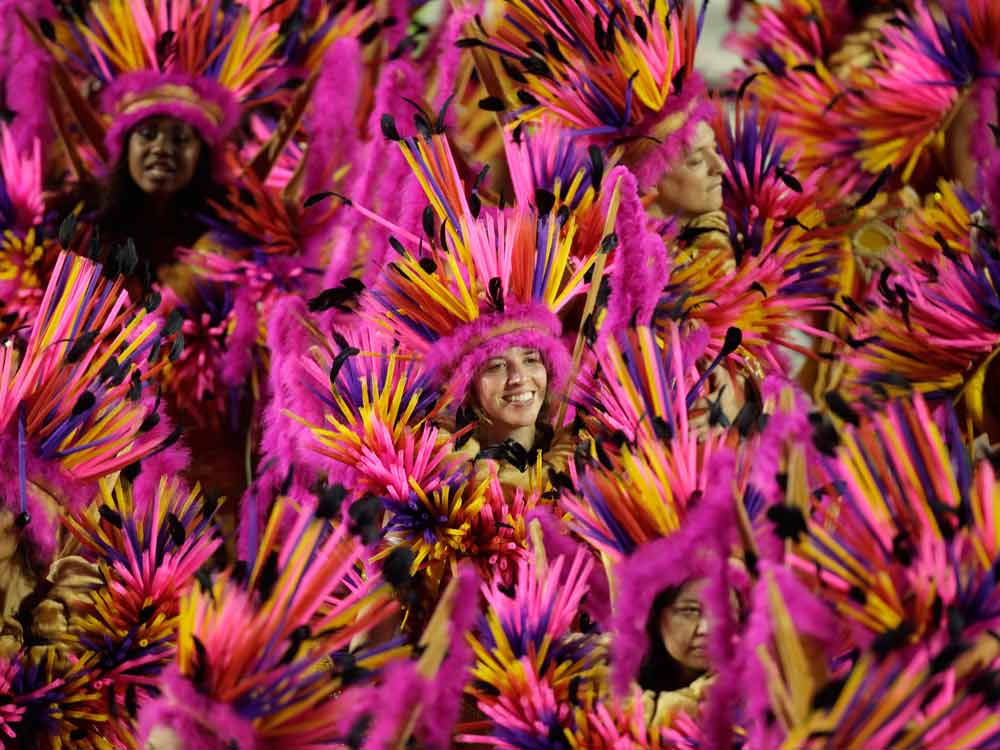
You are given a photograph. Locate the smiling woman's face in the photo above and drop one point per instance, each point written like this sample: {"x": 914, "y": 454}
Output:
{"x": 510, "y": 387}
{"x": 693, "y": 186}
{"x": 163, "y": 155}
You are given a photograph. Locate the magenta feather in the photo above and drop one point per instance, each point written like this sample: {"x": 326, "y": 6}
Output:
{"x": 597, "y": 603}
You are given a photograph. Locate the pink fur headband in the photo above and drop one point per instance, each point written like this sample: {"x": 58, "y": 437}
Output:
{"x": 201, "y": 102}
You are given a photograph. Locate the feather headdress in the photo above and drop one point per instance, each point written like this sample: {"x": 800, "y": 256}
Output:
{"x": 927, "y": 69}
{"x": 923, "y": 696}
{"x": 24, "y": 250}
{"x": 199, "y": 62}
{"x": 73, "y": 406}
{"x": 760, "y": 183}
{"x": 148, "y": 554}
{"x": 809, "y": 102}
{"x": 615, "y": 74}
{"x": 377, "y": 405}
{"x": 530, "y": 668}
{"x": 484, "y": 279}
{"x": 947, "y": 305}
{"x": 793, "y": 32}
{"x": 264, "y": 651}
{"x": 899, "y": 544}
{"x": 764, "y": 292}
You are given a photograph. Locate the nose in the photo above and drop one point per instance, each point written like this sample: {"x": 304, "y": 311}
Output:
{"x": 515, "y": 373}
{"x": 702, "y": 627}
{"x": 162, "y": 143}
{"x": 715, "y": 163}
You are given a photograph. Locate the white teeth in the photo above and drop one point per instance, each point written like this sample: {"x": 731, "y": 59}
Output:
{"x": 520, "y": 398}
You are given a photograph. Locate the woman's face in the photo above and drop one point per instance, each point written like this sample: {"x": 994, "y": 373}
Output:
{"x": 693, "y": 185}
{"x": 684, "y": 627}
{"x": 511, "y": 387}
{"x": 163, "y": 155}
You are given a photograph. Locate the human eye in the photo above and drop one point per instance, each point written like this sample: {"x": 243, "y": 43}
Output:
{"x": 147, "y": 132}
{"x": 688, "y": 611}
{"x": 532, "y": 358}
{"x": 495, "y": 364}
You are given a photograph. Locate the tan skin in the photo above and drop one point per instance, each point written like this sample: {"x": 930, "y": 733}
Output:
{"x": 163, "y": 155}
{"x": 163, "y": 738}
{"x": 693, "y": 186}
{"x": 510, "y": 390}
{"x": 684, "y": 629}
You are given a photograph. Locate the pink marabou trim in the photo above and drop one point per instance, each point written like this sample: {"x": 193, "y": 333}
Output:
{"x": 448, "y": 55}
{"x": 641, "y": 265}
{"x": 456, "y": 358}
{"x": 213, "y": 131}
{"x": 670, "y": 561}
{"x": 237, "y": 359}
{"x": 24, "y": 74}
{"x": 437, "y": 725}
{"x": 985, "y": 150}
{"x": 597, "y": 603}
{"x": 394, "y": 700}
{"x": 330, "y": 121}
{"x": 654, "y": 164}
{"x": 199, "y": 721}
{"x": 382, "y": 181}
{"x": 725, "y": 577}
{"x": 72, "y": 495}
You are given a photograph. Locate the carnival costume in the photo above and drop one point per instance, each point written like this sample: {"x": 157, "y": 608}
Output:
{"x": 756, "y": 508}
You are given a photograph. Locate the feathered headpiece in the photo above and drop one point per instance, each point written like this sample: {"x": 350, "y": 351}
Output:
{"x": 945, "y": 303}
{"x": 148, "y": 555}
{"x": 196, "y": 61}
{"x": 905, "y": 538}
{"x": 23, "y": 248}
{"x": 265, "y": 651}
{"x": 72, "y": 406}
{"x": 377, "y": 405}
{"x": 484, "y": 279}
{"x": 618, "y": 74}
{"x": 927, "y": 69}
{"x": 937, "y": 692}
{"x": 531, "y": 668}
{"x": 657, "y": 489}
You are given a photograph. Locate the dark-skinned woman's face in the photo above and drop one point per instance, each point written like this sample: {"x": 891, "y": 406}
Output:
{"x": 163, "y": 155}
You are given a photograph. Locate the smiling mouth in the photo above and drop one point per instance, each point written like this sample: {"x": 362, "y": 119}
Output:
{"x": 524, "y": 397}
{"x": 162, "y": 168}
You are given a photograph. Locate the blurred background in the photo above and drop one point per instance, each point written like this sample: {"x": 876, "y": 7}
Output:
{"x": 714, "y": 61}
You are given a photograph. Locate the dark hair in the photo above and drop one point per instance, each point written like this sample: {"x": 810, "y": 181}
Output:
{"x": 660, "y": 671}
{"x": 122, "y": 202}
{"x": 470, "y": 411}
